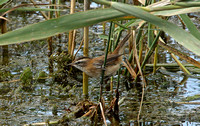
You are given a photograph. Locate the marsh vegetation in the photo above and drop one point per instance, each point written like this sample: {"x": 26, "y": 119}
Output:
{"x": 158, "y": 83}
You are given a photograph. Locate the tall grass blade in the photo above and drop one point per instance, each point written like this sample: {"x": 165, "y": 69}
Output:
{"x": 59, "y": 25}
{"x": 3, "y": 1}
{"x": 190, "y": 25}
{"x": 29, "y": 9}
{"x": 177, "y": 11}
{"x": 180, "y": 64}
{"x": 178, "y": 53}
{"x": 152, "y": 48}
{"x": 150, "y": 34}
{"x": 182, "y": 37}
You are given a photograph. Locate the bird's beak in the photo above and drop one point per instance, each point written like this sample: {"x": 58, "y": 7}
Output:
{"x": 70, "y": 64}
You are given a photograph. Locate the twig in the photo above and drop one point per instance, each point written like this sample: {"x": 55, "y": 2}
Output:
{"x": 43, "y": 123}
{"x": 143, "y": 79}
{"x": 79, "y": 48}
{"x": 43, "y": 14}
{"x": 121, "y": 100}
{"x": 191, "y": 103}
{"x": 102, "y": 112}
{"x": 129, "y": 68}
{"x": 4, "y": 18}
{"x": 73, "y": 42}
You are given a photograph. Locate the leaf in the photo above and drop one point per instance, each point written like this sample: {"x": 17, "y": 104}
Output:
{"x": 29, "y": 9}
{"x": 159, "y": 4}
{"x": 182, "y": 37}
{"x": 192, "y": 28}
{"x": 104, "y": 37}
{"x": 3, "y": 1}
{"x": 142, "y": 1}
{"x": 58, "y": 25}
{"x": 177, "y": 11}
{"x": 178, "y": 53}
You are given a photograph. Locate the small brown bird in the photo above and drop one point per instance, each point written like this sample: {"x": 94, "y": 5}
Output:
{"x": 93, "y": 66}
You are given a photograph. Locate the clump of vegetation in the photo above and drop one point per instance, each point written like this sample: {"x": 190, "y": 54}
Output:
{"x": 5, "y": 75}
{"x": 63, "y": 69}
{"x": 41, "y": 76}
{"x": 26, "y": 79}
{"x": 55, "y": 110}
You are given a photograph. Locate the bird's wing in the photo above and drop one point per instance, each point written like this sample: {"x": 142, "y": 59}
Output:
{"x": 109, "y": 62}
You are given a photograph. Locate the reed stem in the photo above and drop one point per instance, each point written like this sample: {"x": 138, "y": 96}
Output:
{"x": 43, "y": 14}
{"x": 180, "y": 64}
{"x": 155, "y": 60}
{"x": 5, "y": 52}
{"x": 85, "y": 50}
{"x": 104, "y": 65}
{"x": 152, "y": 48}
{"x": 70, "y": 40}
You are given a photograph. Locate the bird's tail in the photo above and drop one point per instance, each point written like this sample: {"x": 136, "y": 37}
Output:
{"x": 120, "y": 47}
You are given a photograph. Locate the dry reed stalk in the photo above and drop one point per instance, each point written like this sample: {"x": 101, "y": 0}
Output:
{"x": 143, "y": 80}
{"x": 72, "y": 10}
{"x": 178, "y": 53}
{"x": 5, "y": 52}
{"x": 73, "y": 43}
{"x": 180, "y": 64}
{"x": 85, "y": 49}
{"x": 155, "y": 60}
{"x": 79, "y": 48}
{"x": 129, "y": 68}
{"x": 102, "y": 112}
{"x": 43, "y": 14}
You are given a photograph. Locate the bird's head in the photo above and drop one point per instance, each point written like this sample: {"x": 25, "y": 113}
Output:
{"x": 80, "y": 63}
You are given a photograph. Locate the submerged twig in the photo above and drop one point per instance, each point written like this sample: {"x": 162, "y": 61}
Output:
{"x": 191, "y": 103}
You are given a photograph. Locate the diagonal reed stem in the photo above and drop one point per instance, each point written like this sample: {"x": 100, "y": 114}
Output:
{"x": 104, "y": 65}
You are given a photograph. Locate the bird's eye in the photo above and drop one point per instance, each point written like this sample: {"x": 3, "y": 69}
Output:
{"x": 78, "y": 62}
{"x": 81, "y": 63}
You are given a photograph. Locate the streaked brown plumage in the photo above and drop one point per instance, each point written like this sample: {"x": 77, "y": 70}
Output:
{"x": 93, "y": 66}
